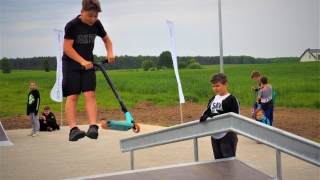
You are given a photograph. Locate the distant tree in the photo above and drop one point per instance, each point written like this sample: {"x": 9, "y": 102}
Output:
{"x": 147, "y": 64}
{"x": 165, "y": 60}
{"x": 192, "y": 60}
{"x": 6, "y": 65}
{"x": 182, "y": 65}
{"x": 46, "y": 66}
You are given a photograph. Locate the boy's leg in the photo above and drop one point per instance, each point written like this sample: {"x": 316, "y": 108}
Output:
{"x": 88, "y": 87}
{"x": 228, "y": 145}
{"x": 71, "y": 87}
{"x": 271, "y": 116}
{"x": 35, "y": 124}
{"x": 268, "y": 113}
{"x": 91, "y": 108}
{"x": 215, "y": 143}
{"x": 43, "y": 127}
{"x": 70, "y": 109}
{"x": 31, "y": 121}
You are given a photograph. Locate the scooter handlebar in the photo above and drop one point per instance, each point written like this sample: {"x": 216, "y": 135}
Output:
{"x": 101, "y": 62}
{"x": 107, "y": 61}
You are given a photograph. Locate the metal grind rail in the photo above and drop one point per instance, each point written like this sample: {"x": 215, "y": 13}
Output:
{"x": 278, "y": 139}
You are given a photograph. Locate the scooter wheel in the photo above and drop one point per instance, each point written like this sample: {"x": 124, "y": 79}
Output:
{"x": 104, "y": 125}
{"x": 136, "y": 128}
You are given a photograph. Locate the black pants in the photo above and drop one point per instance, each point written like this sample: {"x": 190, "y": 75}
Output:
{"x": 225, "y": 147}
{"x": 45, "y": 126}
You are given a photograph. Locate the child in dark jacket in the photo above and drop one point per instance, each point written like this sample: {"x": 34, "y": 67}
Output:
{"x": 48, "y": 120}
{"x": 33, "y": 104}
{"x": 224, "y": 145}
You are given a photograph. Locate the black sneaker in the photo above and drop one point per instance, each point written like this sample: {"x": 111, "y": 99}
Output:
{"x": 75, "y": 134}
{"x": 92, "y": 132}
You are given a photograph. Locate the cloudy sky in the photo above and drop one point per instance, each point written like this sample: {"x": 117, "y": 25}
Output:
{"x": 258, "y": 28}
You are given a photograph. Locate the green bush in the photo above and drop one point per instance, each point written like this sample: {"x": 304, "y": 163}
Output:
{"x": 191, "y": 61}
{"x": 147, "y": 64}
{"x": 194, "y": 66}
{"x": 152, "y": 69}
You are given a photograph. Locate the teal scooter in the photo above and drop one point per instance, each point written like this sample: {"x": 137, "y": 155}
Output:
{"x": 113, "y": 124}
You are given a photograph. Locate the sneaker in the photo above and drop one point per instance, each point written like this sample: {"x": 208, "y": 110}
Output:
{"x": 75, "y": 134}
{"x": 36, "y": 134}
{"x": 92, "y": 132}
{"x": 32, "y": 132}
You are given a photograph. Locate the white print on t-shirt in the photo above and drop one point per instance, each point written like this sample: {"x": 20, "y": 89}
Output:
{"x": 85, "y": 39}
{"x": 216, "y": 105}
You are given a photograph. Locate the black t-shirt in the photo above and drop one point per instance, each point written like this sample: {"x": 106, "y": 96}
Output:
{"x": 83, "y": 36}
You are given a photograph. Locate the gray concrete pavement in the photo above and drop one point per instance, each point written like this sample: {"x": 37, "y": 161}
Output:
{"x": 52, "y": 156}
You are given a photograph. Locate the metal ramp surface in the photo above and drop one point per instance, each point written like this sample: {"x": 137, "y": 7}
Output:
{"x": 226, "y": 169}
{"x": 4, "y": 140}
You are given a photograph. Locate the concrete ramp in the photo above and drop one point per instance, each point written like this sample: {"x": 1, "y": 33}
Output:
{"x": 226, "y": 169}
{"x": 4, "y": 140}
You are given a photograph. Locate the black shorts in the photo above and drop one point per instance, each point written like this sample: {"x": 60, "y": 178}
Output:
{"x": 76, "y": 81}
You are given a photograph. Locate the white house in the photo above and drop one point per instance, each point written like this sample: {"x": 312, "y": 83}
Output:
{"x": 310, "y": 55}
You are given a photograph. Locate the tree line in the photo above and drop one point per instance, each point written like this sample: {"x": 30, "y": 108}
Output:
{"x": 135, "y": 62}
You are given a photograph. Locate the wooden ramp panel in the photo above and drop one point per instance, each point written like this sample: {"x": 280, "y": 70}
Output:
{"x": 226, "y": 170}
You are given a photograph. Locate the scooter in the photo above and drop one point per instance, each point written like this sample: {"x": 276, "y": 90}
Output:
{"x": 114, "y": 124}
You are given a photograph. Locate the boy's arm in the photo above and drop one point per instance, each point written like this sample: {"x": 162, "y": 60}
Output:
{"x": 235, "y": 105}
{"x": 207, "y": 113}
{"x": 69, "y": 50}
{"x": 42, "y": 116}
{"x": 108, "y": 44}
{"x": 37, "y": 101}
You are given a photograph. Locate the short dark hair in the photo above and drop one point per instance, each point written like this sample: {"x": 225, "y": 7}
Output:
{"x": 46, "y": 108}
{"x": 255, "y": 73}
{"x": 88, "y": 5}
{"x": 259, "y": 109}
{"x": 264, "y": 80}
{"x": 219, "y": 77}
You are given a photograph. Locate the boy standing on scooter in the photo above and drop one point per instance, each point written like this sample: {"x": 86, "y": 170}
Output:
{"x": 77, "y": 65}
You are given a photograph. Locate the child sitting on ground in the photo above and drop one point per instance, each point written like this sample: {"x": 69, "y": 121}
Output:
{"x": 48, "y": 121}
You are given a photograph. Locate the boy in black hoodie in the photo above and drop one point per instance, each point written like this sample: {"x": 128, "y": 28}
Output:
{"x": 224, "y": 145}
{"x": 33, "y": 104}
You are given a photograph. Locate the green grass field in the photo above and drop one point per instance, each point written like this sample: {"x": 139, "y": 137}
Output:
{"x": 297, "y": 86}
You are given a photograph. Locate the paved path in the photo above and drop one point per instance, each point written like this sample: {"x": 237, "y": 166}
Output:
{"x": 52, "y": 156}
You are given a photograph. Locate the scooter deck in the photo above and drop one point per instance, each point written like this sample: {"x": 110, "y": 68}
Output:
{"x": 118, "y": 125}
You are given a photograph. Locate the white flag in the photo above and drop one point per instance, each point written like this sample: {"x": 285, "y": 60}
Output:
{"x": 56, "y": 91}
{"x": 174, "y": 59}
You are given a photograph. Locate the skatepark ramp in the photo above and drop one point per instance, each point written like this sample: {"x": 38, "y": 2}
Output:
{"x": 278, "y": 139}
{"x": 4, "y": 140}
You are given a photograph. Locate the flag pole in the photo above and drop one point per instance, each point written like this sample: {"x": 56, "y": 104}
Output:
{"x": 181, "y": 113}
{"x": 61, "y": 113}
